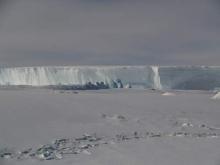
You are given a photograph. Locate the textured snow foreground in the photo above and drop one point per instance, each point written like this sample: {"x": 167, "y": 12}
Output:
{"x": 124, "y": 126}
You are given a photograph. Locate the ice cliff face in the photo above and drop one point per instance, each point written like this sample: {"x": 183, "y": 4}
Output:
{"x": 204, "y": 78}
{"x": 192, "y": 78}
{"x": 43, "y": 76}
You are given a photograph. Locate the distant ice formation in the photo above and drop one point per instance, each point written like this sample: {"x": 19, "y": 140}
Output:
{"x": 190, "y": 77}
{"x": 155, "y": 77}
{"x": 216, "y": 96}
{"x": 114, "y": 76}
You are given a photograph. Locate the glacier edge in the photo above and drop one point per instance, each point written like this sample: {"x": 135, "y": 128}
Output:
{"x": 157, "y": 77}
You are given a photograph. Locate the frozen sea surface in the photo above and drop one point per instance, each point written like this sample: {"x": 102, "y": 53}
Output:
{"x": 30, "y": 118}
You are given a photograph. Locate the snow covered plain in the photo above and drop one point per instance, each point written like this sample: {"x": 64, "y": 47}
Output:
{"x": 179, "y": 129}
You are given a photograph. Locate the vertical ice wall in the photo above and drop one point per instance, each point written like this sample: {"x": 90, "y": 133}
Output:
{"x": 167, "y": 77}
{"x": 139, "y": 76}
{"x": 156, "y": 78}
{"x": 190, "y": 77}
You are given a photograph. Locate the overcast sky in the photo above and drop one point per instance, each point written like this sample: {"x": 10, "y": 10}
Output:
{"x": 90, "y": 32}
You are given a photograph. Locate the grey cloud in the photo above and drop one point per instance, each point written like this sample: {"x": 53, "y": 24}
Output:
{"x": 53, "y": 32}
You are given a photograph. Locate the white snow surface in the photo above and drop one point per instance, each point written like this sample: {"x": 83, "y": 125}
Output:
{"x": 32, "y": 117}
{"x": 168, "y": 94}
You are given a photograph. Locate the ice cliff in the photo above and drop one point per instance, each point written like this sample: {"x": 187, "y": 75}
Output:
{"x": 199, "y": 78}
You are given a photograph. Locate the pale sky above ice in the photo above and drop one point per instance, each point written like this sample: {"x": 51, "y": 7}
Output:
{"x": 91, "y": 32}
